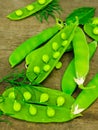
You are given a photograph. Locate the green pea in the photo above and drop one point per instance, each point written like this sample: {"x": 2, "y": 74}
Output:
{"x": 53, "y": 55}
{"x": 41, "y": 1}
{"x": 60, "y": 101}
{"x": 56, "y": 54}
{"x": 32, "y": 110}
{"x": 81, "y": 56}
{"x": 55, "y": 46}
{"x": 64, "y": 43}
{"x": 95, "y": 20}
{"x": 36, "y": 69}
{"x": 19, "y": 12}
{"x": 69, "y": 86}
{"x": 44, "y": 97}
{"x": 29, "y": 9}
{"x": 63, "y": 36}
{"x": 12, "y": 95}
{"x": 27, "y": 95}
{"x": 16, "y": 106}
{"x": 91, "y": 30}
{"x": 95, "y": 30}
{"x": 32, "y": 43}
{"x": 58, "y": 65}
{"x": 46, "y": 68}
{"x": 45, "y": 58}
{"x": 50, "y": 112}
{"x": 86, "y": 97}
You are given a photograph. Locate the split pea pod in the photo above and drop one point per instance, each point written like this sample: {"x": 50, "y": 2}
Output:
{"x": 91, "y": 28}
{"x": 81, "y": 54}
{"x": 86, "y": 97}
{"x": 29, "y": 9}
{"x": 32, "y": 43}
{"x": 68, "y": 86}
{"x": 39, "y": 95}
{"x": 48, "y": 55}
{"x": 53, "y": 105}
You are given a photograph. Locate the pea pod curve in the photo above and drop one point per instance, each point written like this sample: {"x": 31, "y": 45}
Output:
{"x": 48, "y": 55}
{"x": 55, "y": 109}
{"x": 68, "y": 86}
{"x": 29, "y": 9}
{"x": 32, "y": 43}
{"x": 86, "y": 97}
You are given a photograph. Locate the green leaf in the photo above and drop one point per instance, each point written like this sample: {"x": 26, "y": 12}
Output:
{"x": 83, "y": 13}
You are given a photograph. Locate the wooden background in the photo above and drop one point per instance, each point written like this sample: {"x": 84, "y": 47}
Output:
{"x": 13, "y": 33}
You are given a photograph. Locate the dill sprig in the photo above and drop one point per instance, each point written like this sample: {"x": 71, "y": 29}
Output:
{"x": 50, "y": 10}
{"x": 16, "y": 79}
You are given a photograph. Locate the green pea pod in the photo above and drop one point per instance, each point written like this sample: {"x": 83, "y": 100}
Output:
{"x": 29, "y": 9}
{"x": 53, "y": 105}
{"x": 42, "y": 61}
{"x": 39, "y": 95}
{"x": 68, "y": 86}
{"x": 81, "y": 53}
{"x": 91, "y": 28}
{"x": 86, "y": 97}
{"x": 32, "y": 43}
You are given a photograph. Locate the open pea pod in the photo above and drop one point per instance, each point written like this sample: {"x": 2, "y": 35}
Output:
{"x": 91, "y": 28}
{"x": 29, "y": 9}
{"x": 42, "y": 61}
{"x": 38, "y": 103}
{"x": 39, "y": 95}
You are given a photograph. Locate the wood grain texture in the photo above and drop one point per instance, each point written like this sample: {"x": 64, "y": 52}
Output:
{"x": 12, "y": 33}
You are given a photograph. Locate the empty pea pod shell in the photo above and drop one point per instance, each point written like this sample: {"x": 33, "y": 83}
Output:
{"x": 52, "y": 110}
{"x": 68, "y": 86}
{"x": 32, "y": 43}
{"x": 91, "y": 29}
{"x": 39, "y": 69}
{"x": 86, "y": 97}
{"x": 29, "y": 9}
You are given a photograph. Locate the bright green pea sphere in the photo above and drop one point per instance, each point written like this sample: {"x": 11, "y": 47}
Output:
{"x": 95, "y": 30}
{"x": 32, "y": 110}
{"x": 36, "y": 70}
{"x": 17, "y": 106}
{"x": 44, "y": 97}
{"x": 27, "y": 95}
{"x": 19, "y": 12}
{"x": 41, "y": 1}
{"x": 30, "y": 7}
{"x": 50, "y": 112}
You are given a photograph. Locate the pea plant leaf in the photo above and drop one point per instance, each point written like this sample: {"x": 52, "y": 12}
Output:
{"x": 83, "y": 14}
